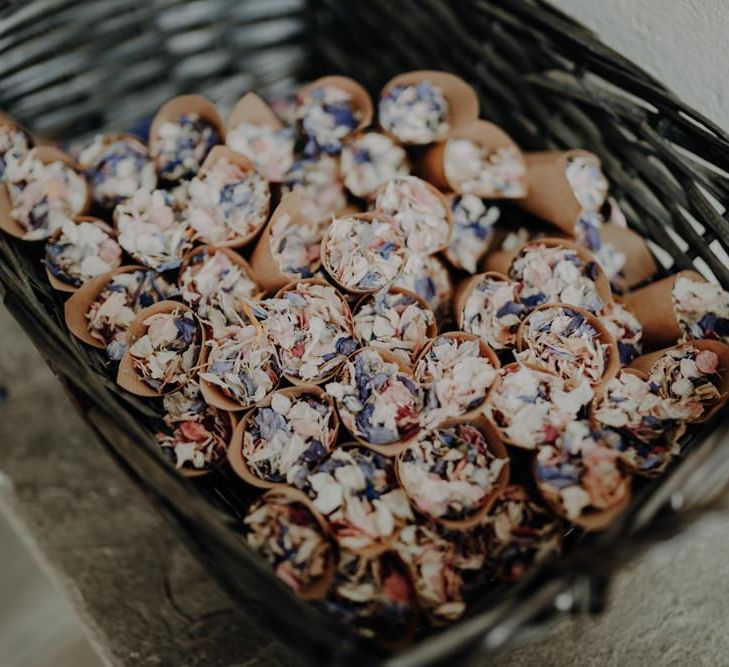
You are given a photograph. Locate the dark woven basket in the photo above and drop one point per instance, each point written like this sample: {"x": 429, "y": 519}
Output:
{"x": 74, "y": 67}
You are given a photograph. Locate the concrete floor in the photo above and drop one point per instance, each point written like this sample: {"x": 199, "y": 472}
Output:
{"x": 144, "y": 601}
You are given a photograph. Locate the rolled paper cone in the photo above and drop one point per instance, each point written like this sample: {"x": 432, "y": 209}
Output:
{"x": 318, "y": 588}
{"x": 327, "y": 266}
{"x": 394, "y": 448}
{"x": 347, "y": 314}
{"x": 127, "y": 376}
{"x": 653, "y": 306}
{"x": 485, "y": 135}
{"x": 233, "y": 256}
{"x": 362, "y": 102}
{"x": 612, "y": 361}
{"x": 496, "y": 447}
{"x": 640, "y": 265}
{"x": 235, "y": 450}
{"x": 181, "y": 105}
{"x": 46, "y": 155}
{"x": 77, "y": 306}
{"x": 485, "y": 351}
{"x": 549, "y": 194}
{"x": 252, "y": 109}
{"x": 465, "y": 288}
{"x": 645, "y": 363}
{"x": 499, "y": 259}
{"x": 58, "y": 284}
{"x": 266, "y": 269}
{"x": 461, "y": 97}
{"x": 602, "y": 283}
{"x": 193, "y": 473}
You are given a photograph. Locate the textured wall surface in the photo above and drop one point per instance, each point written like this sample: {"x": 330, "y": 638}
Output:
{"x": 681, "y": 42}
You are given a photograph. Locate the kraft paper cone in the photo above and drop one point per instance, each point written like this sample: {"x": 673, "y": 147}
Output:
{"x": 466, "y": 287}
{"x": 287, "y": 495}
{"x": 361, "y": 100}
{"x": 394, "y": 448}
{"x": 640, "y": 264}
{"x": 46, "y": 155}
{"x": 432, "y": 167}
{"x": 193, "y": 473}
{"x": 499, "y": 259}
{"x": 496, "y": 447}
{"x": 484, "y": 351}
{"x": 235, "y": 450}
{"x": 233, "y": 256}
{"x": 127, "y": 376}
{"x": 461, "y": 97}
{"x": 432, "y": 330}
{"x": 325, "y": 259}
{"x": 645, "y": 363}
{"x": 252, "y": 109}
{"x": 59, "y": 284}
{"x": 185, "y": 104}
{"x": 653, "y": 306}
{"x": 266, "y": 269}
{"x": 602, "y": 283}
{"x": 612, "y": 360}
{"x": 78, "y": 305}
{"x": 347, "y": 314}
{"x": 549, "y": 195}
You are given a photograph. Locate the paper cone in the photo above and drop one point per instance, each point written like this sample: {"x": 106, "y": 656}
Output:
{"x": 496, "y": 447}
{"x": 194, "y": 473}
{"x": 461, "y": 97}
{"x": 231, "y": 254}
{"x": 550, "y": 196}
{"x": 46, "y": 155}
{"x": 252, "y": 109}
{"x": 361, "y": 100}
{"x": 499, "y": 259}
{"x": 127, "y": 376}
{"x": 466, "y": 287}
{"x": 640, "y": 264}
{"x": 78, "y": 305}
{"x": 347, "y": 314}
{"x": 431, "y": 165}
{"x": 653, "y": 306}
{"x": 645, "y": 363}
{"x": 235, "y": 450}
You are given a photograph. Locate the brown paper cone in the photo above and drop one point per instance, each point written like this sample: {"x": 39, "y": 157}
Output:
{"x": 498, "y": 259}
{"x": 347, "y": 314}
{"x": 235, "y": 450}
{"x": 645, "y": 363}
{"x": 461, "y": 97}
{"x": 46, "y": 155}
{"x": 485, "y": 351}
{"x": 602, "y": 284}
{"x": 194, "y": 473}
{"x": 252, "y": 109}
{"x": 185, "y": 104}
{"x": 466, "y": 287}
{"x": 233, "y": 256}
{"x": 394, "y": 448}
{"x": 78, "y": 305}
{"x": 640, "y": 264}
{"x": 265, "y": 267}
{"x": 432, "y": 331}
{"x": 362, "y": 102}
{"x": 496, "y": 447}
{"x": 653, "y": 306}
{"x": 325, "y": 259}
{"x": 431, "y": 165}
{"x": 127, "y": 376}
{"x": 612, "y": 362}
{"x": 550, "y": 196}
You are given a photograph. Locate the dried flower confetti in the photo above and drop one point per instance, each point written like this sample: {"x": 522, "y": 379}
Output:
{"x": 15, "y": 144}
{"x": 452, "y": 473}
{"x": 117, "y": 166}
{"x": 473, "y": 225}
{"x": 588, "y": 233}
{"x": 626, "y": 331}
{"x": 363, "y": 253}
{"x": 311, "y": 325}
{"x": 327, "y": 115}
{"x": 182, "y": 145}
{"x": 152, "y": 229}
{"x": 369, "y": 160}
{"x": 702, "y": 309}
{"x": 395, "y": 320}
{"x": 296, "y": 244}
{"x": 357, "y": 491}
{"x": 377, "y": 401}
{"x": 420, "y": 212}
{"x": 531, "y": 407}
{"x": 457, "y": 372}
{"x": 485, "y": 172}
{"x": 270, "y": 150}
{"x": 318, "y": 180}
{"x": 588, "y": 183}
{"x": 428, "y": 277}
{"x": 415, "y": 114}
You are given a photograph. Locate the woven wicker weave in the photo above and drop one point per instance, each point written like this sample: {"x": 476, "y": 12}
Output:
{"x": 72, "y": 67}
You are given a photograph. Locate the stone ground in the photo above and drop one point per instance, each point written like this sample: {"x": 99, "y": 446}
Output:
{"x": 144, "y": 600}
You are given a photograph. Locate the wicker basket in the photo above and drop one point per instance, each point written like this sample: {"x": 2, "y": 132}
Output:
{"x": 74, "y": 68}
